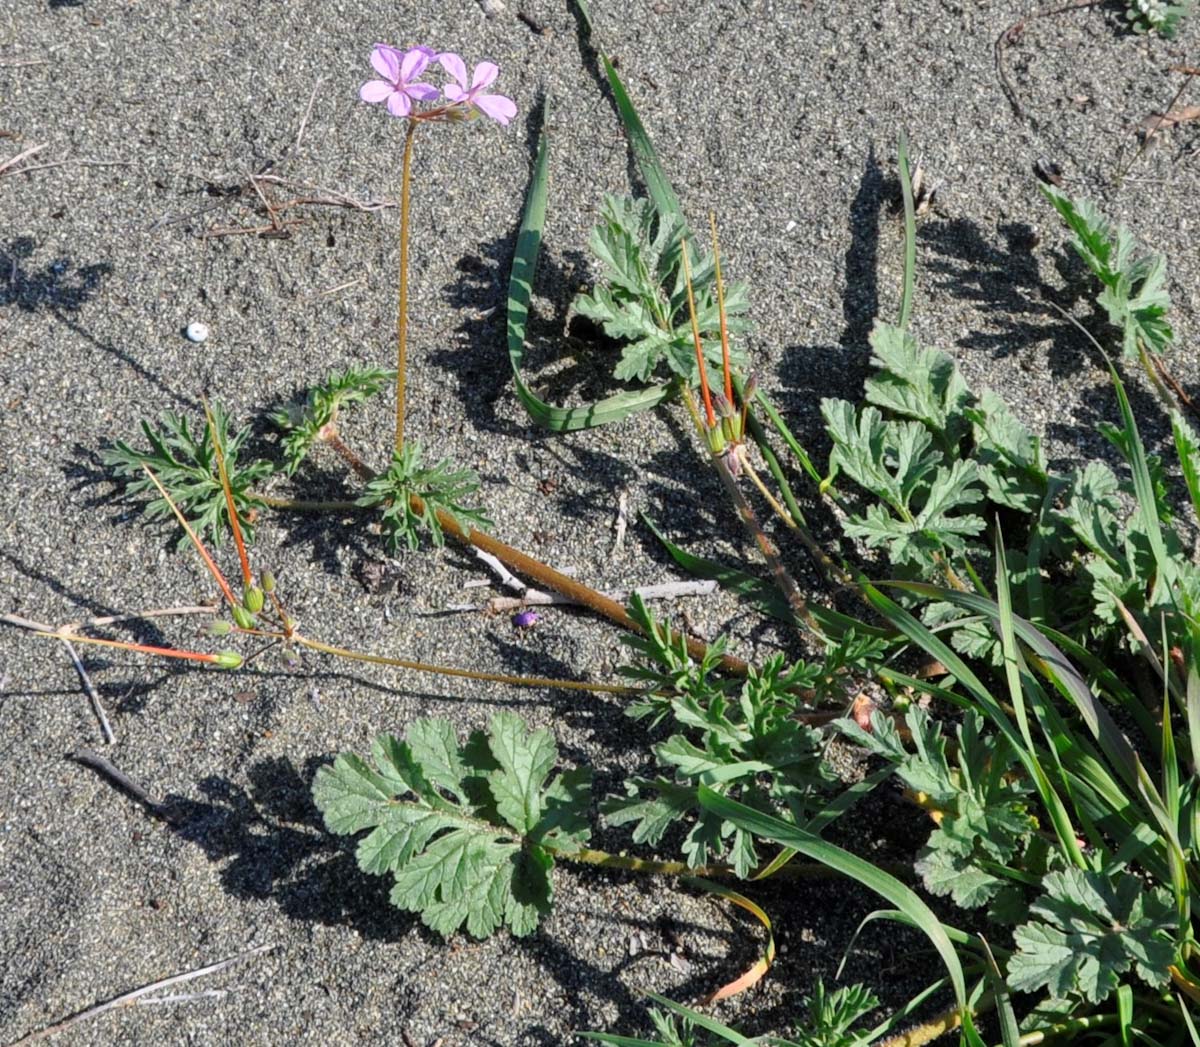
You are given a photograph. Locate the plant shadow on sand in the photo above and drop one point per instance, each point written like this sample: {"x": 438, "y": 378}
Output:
{"x": 270, "y": 838}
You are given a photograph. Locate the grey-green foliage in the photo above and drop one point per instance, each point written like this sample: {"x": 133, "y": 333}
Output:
{"x": 437, "y": 486}
{"x": 1156, "y": 16}
{"x": 1088, "y": 929}
{"x": 985, "y": 819}
{"x": 641, "y": 299}
{"x": 468, "y": 833}
{"x": 303, "y": 424}
{"x": 186, "y": 465}
{"x": 937, "y": 461}
{"x": 1134, "y": 279}
{"x": 744, "y": 742}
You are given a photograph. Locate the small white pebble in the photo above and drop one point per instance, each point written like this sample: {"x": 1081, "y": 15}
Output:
{"x": 197, "y": 331}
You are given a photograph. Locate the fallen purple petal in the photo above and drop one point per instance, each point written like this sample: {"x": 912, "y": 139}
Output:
{"x": 525, "y": 619}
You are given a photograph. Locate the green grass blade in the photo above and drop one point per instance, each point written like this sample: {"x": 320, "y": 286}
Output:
{"x": 1143, "y": 485}
{"x": 785, "y": 434}
{"x": 1188, "y": 451}
{"x": 910, "y": 234}
{"x": 520, "y": 291}
{"x": 1063, "y": 828}
{"x": 657, "y": 184}
{"x": 1051, "y": 662}
{"x": 816, "y": 849}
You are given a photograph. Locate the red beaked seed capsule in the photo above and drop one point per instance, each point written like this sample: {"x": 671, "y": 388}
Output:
{"x": 525, "y": 619}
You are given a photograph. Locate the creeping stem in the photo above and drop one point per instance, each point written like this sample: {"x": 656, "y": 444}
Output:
{"x": 402, "y": 304}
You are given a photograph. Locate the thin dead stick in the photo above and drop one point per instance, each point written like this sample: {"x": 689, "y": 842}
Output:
{"x": 1155, "y": 127}
{"x": 329, "y": 197}
{"x": 120, "y": 779}
{"x": 622, "y": 522}
{"x": 106, "y": 731}
{"x": 131, "y": 998}
{"x": 89, "y": 688}
{"x": 183, "y": 997}
{"x": 5, "y": 165}
{"x": 339, "y": 287}
{"x": 158, "y": 612}
{"x": 307, "y": 113}
{"x": 78, "y": 163}
{"x": 537, "y": 598}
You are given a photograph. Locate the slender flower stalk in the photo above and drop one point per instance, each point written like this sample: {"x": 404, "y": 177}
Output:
{"x": 728, "y": 371}
{"x": 468, "y": 674}
{"x": 224, "y": 659}
{"x": 213, "y": 569}
{"x": 402, "y": 305}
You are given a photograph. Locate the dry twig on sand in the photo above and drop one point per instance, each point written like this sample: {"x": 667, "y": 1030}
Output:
{"x": 137, "y": 996}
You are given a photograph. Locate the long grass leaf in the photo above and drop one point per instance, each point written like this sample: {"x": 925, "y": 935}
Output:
{"x": 520, "y": 292}
{"x": 816, "y": 849}
{"x": 666, "y": 203}
{"x": 910, "y": 233}
{"x": 1063, "y": 828}
{"x": 1143, "y": 485}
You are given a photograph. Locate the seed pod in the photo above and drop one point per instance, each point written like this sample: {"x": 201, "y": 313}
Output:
{"x": 220, "y": 628}
{"x": 252, "y": 599}
{"x": 268, "y": 581}
{"x": 244, "y": 619}
{"x": 228, "y": 660}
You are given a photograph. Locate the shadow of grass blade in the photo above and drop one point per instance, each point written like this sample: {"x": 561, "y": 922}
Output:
{"x": 816, "y": 849}
{"x": 520, "y": 291}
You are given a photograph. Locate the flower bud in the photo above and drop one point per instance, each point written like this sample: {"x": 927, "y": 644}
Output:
{"x": 227, "y": 660}
{"x": 252, "y": 599}
{"x": 220, "y": 628}
{"x": 244, "y": 619}
{"x": 268, "y": 581}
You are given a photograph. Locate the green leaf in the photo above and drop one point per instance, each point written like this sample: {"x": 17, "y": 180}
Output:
{"x": 813, "y": 847}
{"x": 520, "y": 293}
{"x": 917, "y": 383}
{"x": 468, "y": 833}
{"x": 525, "y": 761}
{"x": 438, "y": 487}
{"x": 1089, "y": 932}
{"x": 1134, "y": 295}
{"x": 186, "y": 465}
{"x": 306, "y": 423}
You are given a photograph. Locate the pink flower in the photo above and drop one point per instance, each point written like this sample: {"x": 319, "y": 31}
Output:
{"x": 399, "y": 69}
{"x": 499, "y": 108}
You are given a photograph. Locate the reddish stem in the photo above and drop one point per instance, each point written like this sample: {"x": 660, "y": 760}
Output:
{"x": 247, "y": 578}
{"x": 708, "y": 407}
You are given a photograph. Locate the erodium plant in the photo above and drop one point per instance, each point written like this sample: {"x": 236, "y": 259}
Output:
{"x": 1025, "y": 667}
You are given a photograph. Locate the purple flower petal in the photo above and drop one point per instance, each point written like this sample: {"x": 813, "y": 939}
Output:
{"x": 453, "y": 64}
{"x": 484, "y": 74}
{"x": 398, "y": 104}
{"x": 375, "y": 91}
{"x": 525, "y": 619}
{"x": 413, "y": 64}
{"x": 498, "y": 107}
{"x": 454, "y": 93}
{"x": 385, "y": 61}
{"x": 421, "y": 92}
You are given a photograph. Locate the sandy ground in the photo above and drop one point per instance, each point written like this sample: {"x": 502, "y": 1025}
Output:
{"x": 781, "y": 117}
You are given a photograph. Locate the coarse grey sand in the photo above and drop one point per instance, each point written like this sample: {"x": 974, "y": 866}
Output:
{"x": 782, "y": 118}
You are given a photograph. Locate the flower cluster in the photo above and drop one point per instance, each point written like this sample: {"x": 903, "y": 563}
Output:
{"x": 399, "y": 87}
